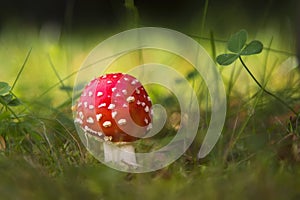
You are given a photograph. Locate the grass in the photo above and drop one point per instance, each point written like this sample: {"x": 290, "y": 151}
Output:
{"x": 43, "y": 157}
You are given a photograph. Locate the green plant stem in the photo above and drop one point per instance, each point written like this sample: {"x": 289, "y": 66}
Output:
{"x": 8, "y": 108}
{"x": 266, "y": 91}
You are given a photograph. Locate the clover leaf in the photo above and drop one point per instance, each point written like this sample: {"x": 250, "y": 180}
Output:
{"x": 254, "y": 47}
{"x": 237, "y": 41}
{"x": 237, "y": 45}
{"x": 227, "y": 59}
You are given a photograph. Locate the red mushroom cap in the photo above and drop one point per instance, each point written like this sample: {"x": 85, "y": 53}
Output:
{"x": 115, "y": 107}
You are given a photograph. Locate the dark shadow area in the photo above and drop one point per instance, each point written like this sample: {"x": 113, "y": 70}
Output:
{"x": 78, "y": 15}
{"x": 110, "y": 12}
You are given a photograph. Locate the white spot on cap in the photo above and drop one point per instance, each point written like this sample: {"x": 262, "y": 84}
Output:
{"x": 83, "y": 94}
{"x": 146, "y": 109}
{"x": 99, "y": 94}
{"x": 134, "y": 82}
{"x": 99, "y": 134}
{"x": 90, "y": 120}
{"x": 130, "y": 99}
{"x": 91, "y": 107}
{"x": 115, "y": 76}
{"x": 137, "y": 91}
{"x": 125, "y": 105}
{"x": 146, "y": 120}
{"x": 113, "y": 89}
{"x": 81, "y": 115}
{"x": 124, "y": 92}
{"x": 111, "y": 106}
{"x": 109, "y": 81}
{"x": 151, "y": 111}
{"x": 104, "y": 76}
{"x": 126, "y": 79}
{"x": 122, "y": 122}
{"x": 114, "y": 114}
{"x": 149, "y": 99}
{"x": 143, "y": 104}
{"x": 79, "y": 104}
{"x": 118, "y": 81}
{"x": 77, "y": 120}
{"x": 107, "y": 124}
{"x": 102, "y": 105}
{"x": 90, "y": 93}
{"x": 98, "y": 116}
{"x": 138, "y": 102}
{"x": 85, "y": 104}
{"x": 118, "y": 95}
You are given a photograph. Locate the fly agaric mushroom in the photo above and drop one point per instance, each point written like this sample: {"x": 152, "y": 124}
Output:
{"x": 116, "y": 109}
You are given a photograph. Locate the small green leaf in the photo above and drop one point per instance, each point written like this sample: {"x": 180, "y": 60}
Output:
{"x": 14, "y": 102}
{"x": 254, "y": 47}
{"x": 237, "y": 41}
{"x": 6, "y": 98}
{"x": 4, "y": 88}
{"x": 227, "y": 59}
{"x": 66, "y": 88}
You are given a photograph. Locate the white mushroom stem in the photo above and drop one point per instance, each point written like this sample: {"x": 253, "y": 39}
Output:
{"x": 122, "y": 153}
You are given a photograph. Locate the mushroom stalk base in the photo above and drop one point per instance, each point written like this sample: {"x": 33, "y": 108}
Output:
{"x": 121, "y": 153}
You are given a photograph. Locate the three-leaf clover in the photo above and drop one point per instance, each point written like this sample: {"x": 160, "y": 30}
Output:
{"x": 237, "y": 45}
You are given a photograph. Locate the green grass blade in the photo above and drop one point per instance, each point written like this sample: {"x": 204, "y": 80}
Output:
{"x": 213, "y": 45}
{"x": 21, "y": 70}
{"x": 57, "y": 75}
{"x": 204, "y": 16}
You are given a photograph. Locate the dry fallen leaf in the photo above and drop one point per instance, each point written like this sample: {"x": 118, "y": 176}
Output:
{"x": 174, "y": 120}
{"x": 2, "y": 144}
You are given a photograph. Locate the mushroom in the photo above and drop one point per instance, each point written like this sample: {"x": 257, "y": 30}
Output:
{"x": 116, "y": 109}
